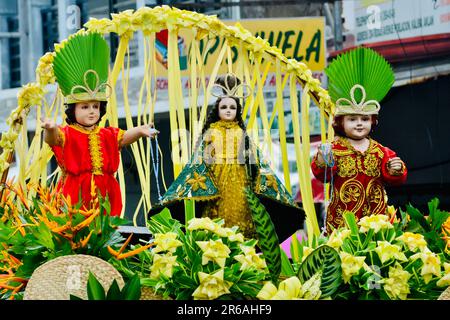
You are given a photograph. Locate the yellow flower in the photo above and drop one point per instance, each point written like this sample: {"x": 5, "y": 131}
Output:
{"x": 166, "y": 242}
{"x": 267, "y": 291}
{"x": 214, "y": 250}
{"x": 30, "y": 95}
{"x": 431, "y": 264}
{"x": 230, "y": 234}
{"x": 337, "y": 238}
{"x": 211, "y": 286}
{"x": 146, "y": 19}
{"x": 250, "y": 259}
{"x": 123, "y": 23}
{"x": 215, "y": 227}
{"x": 162, "y": 265}
{"x": 197, "y": 182}
{"x": 14, "y": 115}
{"x": 287, "y": 290}
{"x": 445, "y": 280}
{"x": 375, "y": 222}
{"x": 413, "y": 241}
{"x": 257, "y": 44}
{"x": 202, "y": 223}
{"x": 99, "y": 25}
{"x": 8, "y": 139}
{"x": 3, "y": 161}
{"x": 240, "y": 32}
{"x": 396, "y": 286}
{"x": 44, "y": 70}
{"x": 47, "y": 58}
{"x": 387, "y": 251}
{"x": 350, "y": 265}
{"x": 291, "y": 289}
{"x": 291, "y": 286}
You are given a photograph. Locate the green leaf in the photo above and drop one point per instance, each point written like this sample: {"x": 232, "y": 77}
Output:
{"x": 325, "y": 261}
{"x": 350, "y": 221}
{"x": 95, "y": 289}
{"x": 286, "y": 266}
{"x": 132, "y": 289}
{"x": 418, "y": 216}
{"x": 44, "y": 236}
{"x": 114, "y": 292}
{"x": 296, "y": 249}
{"x": 437, "y": 216}
{"x": 163, "y": 222}
{"x": 189, "y": 210}
{"x": 267, "y": 237}
{"x": 72, "y": 297}
{"x": 368, "y": 238}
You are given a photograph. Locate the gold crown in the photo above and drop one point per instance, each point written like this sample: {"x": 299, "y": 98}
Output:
{"x": 345, "y": 106}
{"x": 230, "y": 88}
{"x": 88, "y": 94}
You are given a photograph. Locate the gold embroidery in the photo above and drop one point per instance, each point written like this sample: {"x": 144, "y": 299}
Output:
{"x": 352, "y": 191}
{"x": 120, "y": 137}
{"x": 376, "y": 194}
{"x": 230, "y": 177}
{"x": 197, "y": 182}
{"x": 96, "y": 154}
{"x": 345, "y": 143}
{"x": 83, "y": 130}
{"x": 94, "y": 147}
{"x": 346, "y": 166}
{"x": 377, "y": 150}
{"x": 341, "y": 153}
{"x": 61, "y": 139}
{"x": 372, "y": 166}
{"x": 271, "y": 183}
{"x": 359, "y": 163}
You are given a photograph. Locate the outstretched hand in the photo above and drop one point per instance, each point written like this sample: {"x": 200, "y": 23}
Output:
{"x": 47, "y": 123}
{"x": 149, "y": 131}
{"x": 319, "y": 156}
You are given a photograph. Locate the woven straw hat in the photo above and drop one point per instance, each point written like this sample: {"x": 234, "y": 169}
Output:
{"x": 57, "y": 279}
{"x": 445, "y": 295}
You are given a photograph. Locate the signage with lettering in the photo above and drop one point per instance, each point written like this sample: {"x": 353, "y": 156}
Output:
{"x": 383, "y": 20}
{"x": 299, "y": 38}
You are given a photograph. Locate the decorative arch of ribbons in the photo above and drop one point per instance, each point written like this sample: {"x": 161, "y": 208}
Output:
{"x": 256, "y": 57}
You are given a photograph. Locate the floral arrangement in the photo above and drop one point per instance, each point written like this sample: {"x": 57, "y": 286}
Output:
{"x": 34, "y": 231}
{"x": 380, "y": 259}
{"x": 203, "y": 260}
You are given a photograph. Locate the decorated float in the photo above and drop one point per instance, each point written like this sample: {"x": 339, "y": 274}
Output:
{"x": 52, "y": 248}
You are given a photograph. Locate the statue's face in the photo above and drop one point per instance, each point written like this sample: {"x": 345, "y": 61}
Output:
{"x": 357, "y": 126}
{"x": 87, "y": 113}
{"x": 227, "y": 109}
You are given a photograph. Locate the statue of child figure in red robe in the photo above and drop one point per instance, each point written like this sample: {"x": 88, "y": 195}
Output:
{"x": 86, "y": 153}
{"x": 358, "y": 166}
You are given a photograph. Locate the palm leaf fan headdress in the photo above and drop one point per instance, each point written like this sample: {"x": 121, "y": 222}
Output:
{"x": 81, "y": 68}
{"x": 358, "y": 80}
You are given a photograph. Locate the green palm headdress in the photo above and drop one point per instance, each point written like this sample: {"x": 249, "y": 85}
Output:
{"x": 358, "y": 80}
{"x": 81, "y": 68}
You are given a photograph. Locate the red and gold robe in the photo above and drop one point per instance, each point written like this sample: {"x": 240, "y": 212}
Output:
{"x": 85, "y": 155}
{"x": 358, "y": 180}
